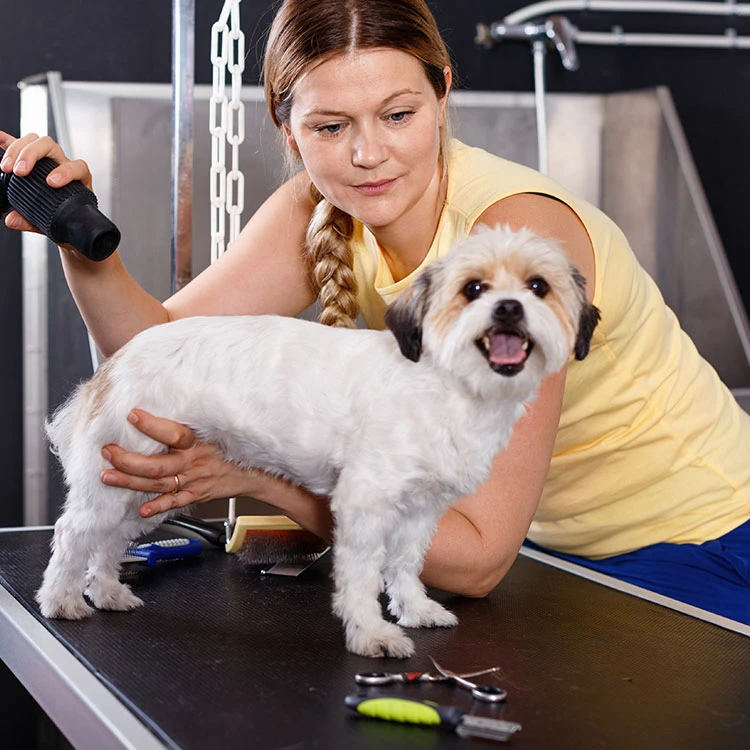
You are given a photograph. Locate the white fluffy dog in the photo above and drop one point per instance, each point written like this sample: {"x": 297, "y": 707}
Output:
{"x": 393, "y": 426}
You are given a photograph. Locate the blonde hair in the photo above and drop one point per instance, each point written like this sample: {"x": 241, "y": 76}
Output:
{"x": 308, "y": 32}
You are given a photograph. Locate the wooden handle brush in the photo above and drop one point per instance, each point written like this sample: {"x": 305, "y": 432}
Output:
{"x": 258, "y": 540}
{"x": 264, "y": 540}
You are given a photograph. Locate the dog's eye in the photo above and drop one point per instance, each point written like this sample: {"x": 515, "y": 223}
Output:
{"x": 539, "y": 286}
{"x": 474, "y": 289}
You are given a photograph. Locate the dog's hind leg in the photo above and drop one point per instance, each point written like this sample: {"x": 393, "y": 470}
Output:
{"x": 404, "y": 560}
{"x": 358, "y": 554}
{"x": 104, "y": 588}
{"x": 61, "y": 592}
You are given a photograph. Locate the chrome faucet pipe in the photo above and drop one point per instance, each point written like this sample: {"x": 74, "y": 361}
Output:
{"x": 556, "y": 30}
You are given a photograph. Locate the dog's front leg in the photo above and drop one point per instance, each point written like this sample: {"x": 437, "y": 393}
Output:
{"x": 405, "y": 553}
{"x": 358, "y": 556}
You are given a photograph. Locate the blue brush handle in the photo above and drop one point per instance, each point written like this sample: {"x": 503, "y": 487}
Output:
{"x": 169, "y": 549}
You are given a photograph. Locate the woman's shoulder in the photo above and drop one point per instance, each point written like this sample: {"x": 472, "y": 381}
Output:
{"x": 473, "y": 162}
{"x": 295, "y": 191}
{"x": 478, "y": 178}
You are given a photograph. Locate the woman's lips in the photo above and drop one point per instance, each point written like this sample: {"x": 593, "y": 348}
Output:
{"x": 375, "y": 188}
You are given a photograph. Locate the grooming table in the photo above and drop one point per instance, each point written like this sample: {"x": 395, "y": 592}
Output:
{"x": 221, "y": 656}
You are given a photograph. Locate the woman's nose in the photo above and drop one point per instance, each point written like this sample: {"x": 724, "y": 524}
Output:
{"x": 368, "y": 151}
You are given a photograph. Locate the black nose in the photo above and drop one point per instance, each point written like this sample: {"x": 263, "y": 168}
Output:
{"x": 508, "y": 311}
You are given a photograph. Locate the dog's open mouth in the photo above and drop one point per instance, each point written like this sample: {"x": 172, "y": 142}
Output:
{"x": 506, "y": 349}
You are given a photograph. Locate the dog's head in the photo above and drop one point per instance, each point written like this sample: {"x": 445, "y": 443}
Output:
{"x": 500, "y": 303}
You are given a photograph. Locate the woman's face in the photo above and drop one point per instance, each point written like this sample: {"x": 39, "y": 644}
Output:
{"x": 366, "y": 125}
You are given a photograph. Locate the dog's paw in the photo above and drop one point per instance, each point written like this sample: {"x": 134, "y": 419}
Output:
{"x": 70, "y": 607}
{"x": 113, "y": 596}
{"x": 387, "y": 641}
{"x": 429, "y": 614}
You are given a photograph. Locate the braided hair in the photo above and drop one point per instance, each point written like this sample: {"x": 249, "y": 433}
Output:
{"x": 331, "y": 263}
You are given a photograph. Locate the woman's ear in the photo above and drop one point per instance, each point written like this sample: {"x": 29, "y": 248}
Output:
{"x": 448, "y": 73}
{"x": 290, "y": 138}
{"x": 444, "y": 101}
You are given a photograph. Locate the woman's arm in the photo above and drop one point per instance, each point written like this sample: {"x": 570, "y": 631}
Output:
{"x": 479, "y": 538}
{"x": 204, "y": 475}
{"x": 263, "y": 271}
{"x": 112, "y": 305}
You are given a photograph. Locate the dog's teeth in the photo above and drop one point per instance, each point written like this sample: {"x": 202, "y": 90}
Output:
{"x": 486, "y": 342}
{"x": 525, "y": 344}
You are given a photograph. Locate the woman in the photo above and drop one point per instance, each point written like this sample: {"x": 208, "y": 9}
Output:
{"x": 637, "y": 450}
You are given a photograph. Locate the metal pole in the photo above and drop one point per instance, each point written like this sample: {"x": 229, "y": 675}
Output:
{"x": 183, "y": 84}
{"x": 35, "y": 249}
{"x": 539, "y": 52}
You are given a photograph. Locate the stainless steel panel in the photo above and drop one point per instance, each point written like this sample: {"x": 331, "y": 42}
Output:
{"x": 651, "y": 189}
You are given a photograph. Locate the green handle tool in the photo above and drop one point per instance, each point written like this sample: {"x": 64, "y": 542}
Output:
{"x": 427, "y": 713}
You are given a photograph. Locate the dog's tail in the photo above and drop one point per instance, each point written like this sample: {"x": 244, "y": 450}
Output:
{"x": 71, "y": 422}
{"x": 60, "y": 428}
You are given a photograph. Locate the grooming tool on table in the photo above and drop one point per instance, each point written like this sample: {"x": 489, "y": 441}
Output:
{"x": 261, "y": 540}
{"x": 432, "y": 714}
{"x": 373, "y": 679}
{"x": 273, "y": 541}
{"x": 209, "y": 532}
{"x": 151, "y": 553}
{"x": 486, "y": 693}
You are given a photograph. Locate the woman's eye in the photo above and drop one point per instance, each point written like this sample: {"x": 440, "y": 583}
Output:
{"x": 474, "y": 289}
{"x": 539, "y": 286}
{"x": 329, "y": 129}
{"x": 400, "y": 116}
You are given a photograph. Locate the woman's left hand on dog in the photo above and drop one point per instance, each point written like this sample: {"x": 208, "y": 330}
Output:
{"x": 204, "y": 475}
{"x": 201, "y": 469}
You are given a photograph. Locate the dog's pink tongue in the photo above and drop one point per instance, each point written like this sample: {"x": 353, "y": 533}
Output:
{"x": 506, "y": 349}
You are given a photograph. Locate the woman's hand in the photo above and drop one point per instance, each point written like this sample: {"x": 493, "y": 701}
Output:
{"x": 190, "y": 472}
{"x": 21, "y": 154}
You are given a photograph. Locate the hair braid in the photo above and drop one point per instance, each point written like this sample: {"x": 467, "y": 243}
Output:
{"x": 331, "y": 262}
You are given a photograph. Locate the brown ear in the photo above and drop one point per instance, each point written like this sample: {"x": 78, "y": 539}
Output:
{"x": 590, "y": 317}
{"x": 404, "y": 317}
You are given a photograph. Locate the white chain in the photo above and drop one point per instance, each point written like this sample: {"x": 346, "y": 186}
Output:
{"x": 226, "y": 125}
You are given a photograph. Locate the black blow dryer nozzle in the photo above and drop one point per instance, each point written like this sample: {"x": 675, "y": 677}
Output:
{"x": 78, "y": 222}
{"x": 67, "y": 215}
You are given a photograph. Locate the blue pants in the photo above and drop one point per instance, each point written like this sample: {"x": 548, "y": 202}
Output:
{"x": 714, "y": 576}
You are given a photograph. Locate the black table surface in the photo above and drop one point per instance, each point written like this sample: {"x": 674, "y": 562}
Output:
{"x": 221, "y": 656}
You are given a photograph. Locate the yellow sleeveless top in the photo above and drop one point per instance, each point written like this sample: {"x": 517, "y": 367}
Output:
{"x": 651, "y": 446}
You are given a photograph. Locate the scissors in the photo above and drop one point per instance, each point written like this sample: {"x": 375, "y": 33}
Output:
{"x": 409, "y": 678}
{"x": 486, "y": 693}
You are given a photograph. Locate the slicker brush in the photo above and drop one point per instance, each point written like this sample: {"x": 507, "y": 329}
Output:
{"x": 274, "y": 540}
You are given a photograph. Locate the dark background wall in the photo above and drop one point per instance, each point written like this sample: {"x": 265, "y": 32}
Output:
{"x": 91, "y": 40}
